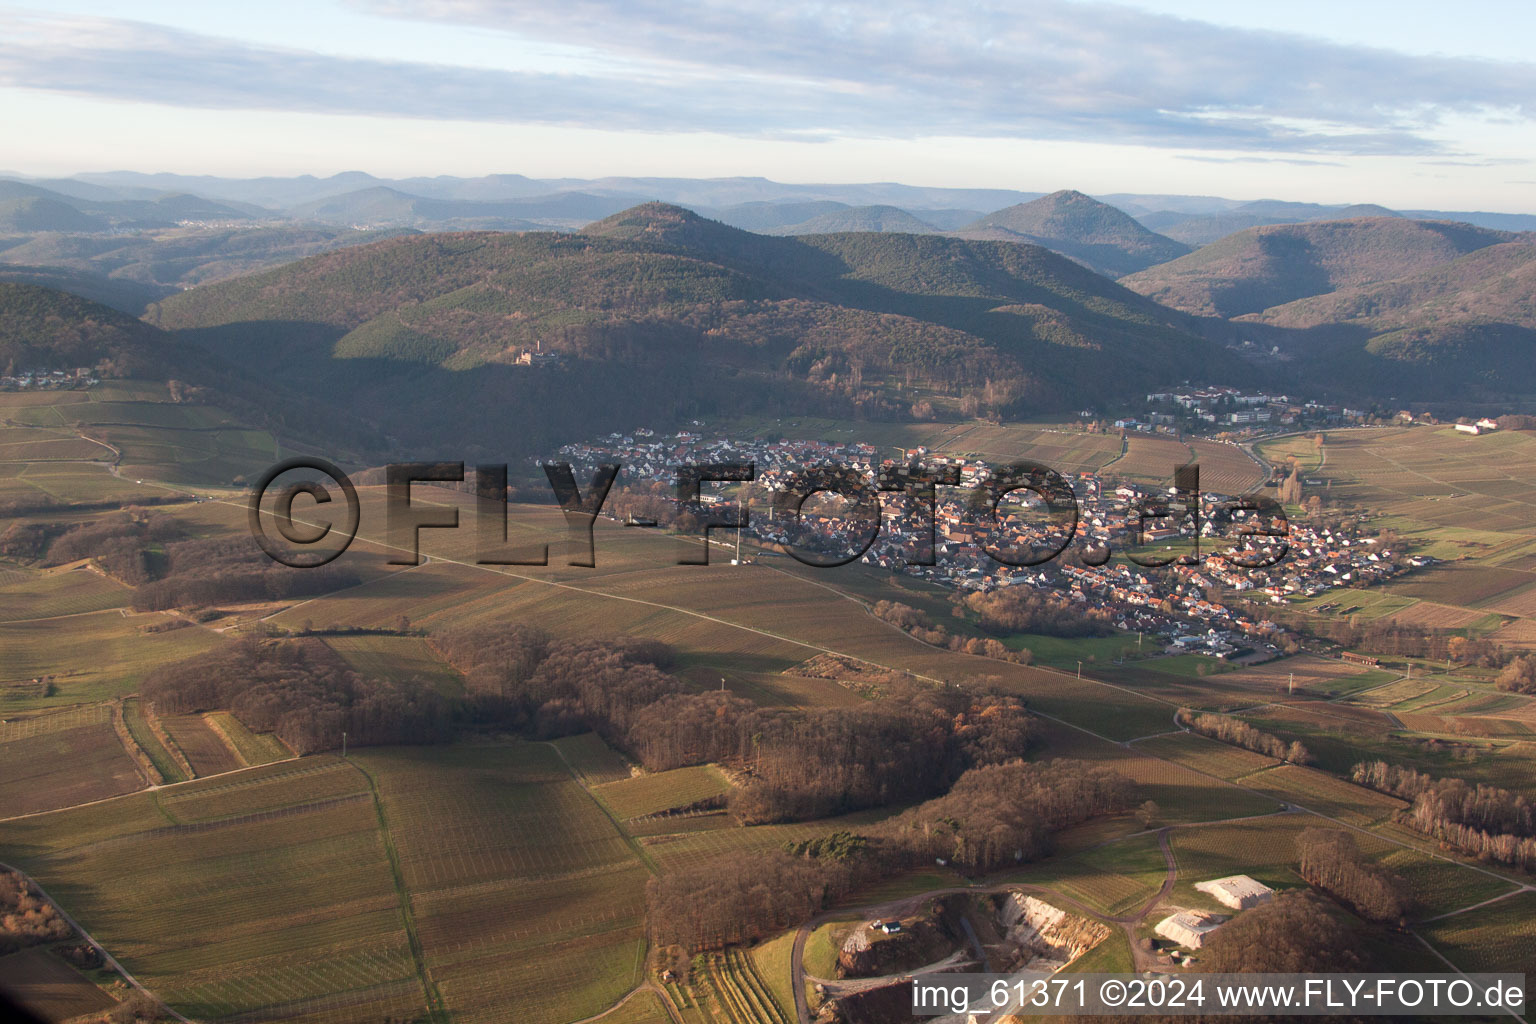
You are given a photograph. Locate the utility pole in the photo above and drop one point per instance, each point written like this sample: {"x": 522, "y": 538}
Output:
{"x": 343, "y": 743}
{"x": 1290, "y": 687}
{"x": 1079, "y": 670}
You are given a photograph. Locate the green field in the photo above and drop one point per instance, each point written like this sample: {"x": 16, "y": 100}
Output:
{"x": 1500, "y": 937}
{"x": 592, "y": 759}
{"x": 46, "y": 595}
{"x": 661, "y": 791}
{"x": 291, "y": 908}
{"x": 138, "y": 727}
{"x": 1207, "y": 755}
{"x": 92, "y": 656}
{"x": 153, "y": 436}
{"x": 1115, "y": 879}
{"x": 254, "y": 748}
{"x": 507, "y": 859}
{"x": 403, "y": 659}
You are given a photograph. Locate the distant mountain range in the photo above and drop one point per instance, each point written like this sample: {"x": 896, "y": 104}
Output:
{"x": 1409, "y": 303}
{"x": 657, "y": 313}
{"x": 721, "y": 198}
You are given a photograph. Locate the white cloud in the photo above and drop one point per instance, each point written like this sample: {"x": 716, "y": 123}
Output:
{"x": 1093, "y": 72}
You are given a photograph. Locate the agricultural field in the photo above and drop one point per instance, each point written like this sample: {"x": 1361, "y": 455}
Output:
{"x": 54, "y": 593}
{"x": 401, "y": 659}
{"x": 60, "y": 759}
{"x": 1182, "y": 794}
{"x": 1226, "y": 468}
{"x": 290, "y": 909}
{"x": 253, "y": 748}
{"x": 1110, "y": 956}
{"x": 1498, "y": 937}
{"x": 50, "y": 988}
{"x": 1263, "y": 848}
{"x": 1318, "y": 791}
{"x": 1151, "y": 458}
{"x": 1116, "y": 878}
{"x": 1439, "y": 886}
{"x": 592, "y": 760}
{"x": 772, "y": 960}
{"x": 136, "y": 720}
{"x": 105, "y": 655}
{"x": 657, "y": 792}
{"x": 1207, "y": 755}
{"x": 1429, "y": 615}
{"x": 137, "y": 426}
{"x": 507, "y": 859}
{"x": 678, "y": 852}
{"x": 1307, "y": 674}
{"x": 202, "y": 745}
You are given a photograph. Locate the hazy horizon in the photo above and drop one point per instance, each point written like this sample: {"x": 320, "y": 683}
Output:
{"x": 1408, "y": 106}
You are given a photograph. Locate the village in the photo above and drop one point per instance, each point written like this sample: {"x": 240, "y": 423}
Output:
{"x": 48, "y": 379}
{"x": 1167, "y": 583}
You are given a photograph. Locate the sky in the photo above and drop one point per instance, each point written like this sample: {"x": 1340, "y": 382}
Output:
{"x": 1414, "y": 104}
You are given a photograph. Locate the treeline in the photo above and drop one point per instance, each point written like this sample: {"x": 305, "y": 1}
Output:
{"x": 26, "y": 919}
{"x": 303, "y": 692}
{"x": 1026, "y": 610}
{"x": 994, "y": 816}
{"x": 1293, "y": 933}
{"x": 1240, "y": 734}
{"x": 1519, "y": 676}
{"x": 149, "y": 552}
{"x": 1485, "y": 821}
{"x": 1330, "y": 859}
{"x": 917, "y": 624}
{"x": 911, "y": 743}
{"x": 27, "y": 504}
{"x": 199, "y": 573}
{"x": 1005, "y": 814}
{"x": 121, "y": 544}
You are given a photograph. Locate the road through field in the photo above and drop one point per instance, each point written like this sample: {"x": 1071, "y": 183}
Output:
{"x": 105, "y": 956}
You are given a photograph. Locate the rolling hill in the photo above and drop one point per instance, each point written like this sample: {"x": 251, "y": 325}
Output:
{"x": 25, "y": 207}
{"x": 860, "y": 218}
{"x": 381, "y": 206}
{"x": 1082, "y": 228}
{"x": 1497, "y": 282}
{"x": 1272, "y": 265}
{"x": 1469, "y": 323}
{"x": 41, "y": 213}
{"x": 657, "y": 314}
{"x": 130, "y": 270}
{"x": 43, "y": 328}
{"x": 1204, "y": 228}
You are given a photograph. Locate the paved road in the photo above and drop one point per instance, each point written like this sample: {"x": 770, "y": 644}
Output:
{"x": 105, "y": 956}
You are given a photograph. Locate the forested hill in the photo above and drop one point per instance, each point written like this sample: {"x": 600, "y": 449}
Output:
{"x": 44, "y": 328}
{"x": 1261, "y": 267}
{"x": 1093, "y": 233}
{"x": 656, "y": 313}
